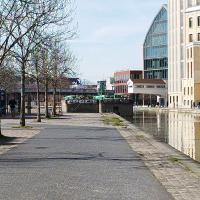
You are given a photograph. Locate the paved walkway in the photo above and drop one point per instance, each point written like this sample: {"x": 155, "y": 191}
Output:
{"x": 76, "y": 163}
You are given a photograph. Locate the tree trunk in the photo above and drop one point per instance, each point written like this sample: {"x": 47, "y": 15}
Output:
{"x": 54, "y": 102}
{"x": 38, "y": 102}
{"x": 0, "y": 127}
{"x": 6, "y": 103}
{"x": 46, "y": 100}
{"x": 22, "y": 109}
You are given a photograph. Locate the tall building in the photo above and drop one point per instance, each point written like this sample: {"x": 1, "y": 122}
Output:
{"x": 184, "y": 53}
{"x": 191, "y": 80}
{"x": 121, "y": 78}
{"x": 176, "y": 51}
{"x": 155, "y": 48}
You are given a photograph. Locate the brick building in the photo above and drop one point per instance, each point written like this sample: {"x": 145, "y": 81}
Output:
{"x": 121, "y": 78}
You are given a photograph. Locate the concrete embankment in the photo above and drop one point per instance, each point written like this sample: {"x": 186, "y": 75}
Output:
{"x": 157, "y": 109}
{"x": 178, "y": 173}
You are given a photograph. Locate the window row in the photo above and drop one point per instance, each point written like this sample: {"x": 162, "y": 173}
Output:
{"x": 155, "y": 52}
{"x": 191, "y": 37}
{"x": 191, "y": 22}
{"x": 173, "y": 99}
{"x": 155, "y": 63}
{"x": 156, "y": 40}
{"x": 188, "y": 103}
{"x": 149, "y": 86}
{"x": 121, "y": 89}
{"x": 122, "y": 78}
{"x": 156, "y": 74}
{"x": 136, "y": 76}
{"x": 188, "y": 91}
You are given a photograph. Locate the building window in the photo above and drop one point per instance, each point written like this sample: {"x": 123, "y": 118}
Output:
{"x": 190, "y": 22}
{"x": 191, "y": 70}
{"x": 198, "y": 37}
{"x": 139, "y": 86}
{"x": 161, "y": 86}
{"x": 170, "y": 99}
{"x": 191, "y": 53}
{"x": 188, "y": 91}
{"x": 184, "y": 90}
{"x": 198, "y": 20}
{"x": 150, "y": 86}
{"x": 191, "y": 90}
{"x": 188, "y": 53}
{"x": 190, "y": 38}
{"x": 188, "y": 68}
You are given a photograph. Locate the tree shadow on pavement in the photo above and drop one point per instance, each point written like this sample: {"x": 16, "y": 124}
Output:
{"x": 5, "y": 140}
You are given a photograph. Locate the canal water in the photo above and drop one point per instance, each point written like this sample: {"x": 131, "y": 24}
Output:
{"x": 179, "y": 130}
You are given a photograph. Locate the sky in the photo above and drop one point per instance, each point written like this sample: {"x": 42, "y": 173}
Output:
{"x": 110, "y": 35}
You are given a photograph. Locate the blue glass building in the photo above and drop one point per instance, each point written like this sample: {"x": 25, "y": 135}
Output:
{"x": 156, "y": 47}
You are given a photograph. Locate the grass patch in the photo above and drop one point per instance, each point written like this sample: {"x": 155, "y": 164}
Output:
{"x": 53, "y": 117}
{"x": 139, "y": 137}
{"x": 22, "y": 127}
{"x": 173, "y": 159}
{"x": 114, "y": 121}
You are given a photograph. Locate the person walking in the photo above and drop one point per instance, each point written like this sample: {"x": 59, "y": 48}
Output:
{"x": 12, "y": 103}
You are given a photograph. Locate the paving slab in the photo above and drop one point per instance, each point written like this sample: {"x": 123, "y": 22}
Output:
{"x": 75, "y": 162}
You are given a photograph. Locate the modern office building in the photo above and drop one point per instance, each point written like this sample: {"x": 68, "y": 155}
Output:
{"x": 121, "y": 78}
{"x": 155, "y": 48}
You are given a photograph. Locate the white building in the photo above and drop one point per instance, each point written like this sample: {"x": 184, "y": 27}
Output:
{"x": 191, "y": 80}
{"x": 148, "y": 87}
{"x": 176, "y": 50}
{"x": 183, "y": 53}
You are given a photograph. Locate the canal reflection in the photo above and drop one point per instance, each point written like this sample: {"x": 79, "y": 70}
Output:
{"x": 180, "y": 130}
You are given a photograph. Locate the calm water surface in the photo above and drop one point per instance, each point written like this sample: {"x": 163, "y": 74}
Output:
{"x": 179, "y": 130}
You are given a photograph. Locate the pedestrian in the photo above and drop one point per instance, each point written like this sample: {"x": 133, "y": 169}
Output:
{"x": 12, "y": 103}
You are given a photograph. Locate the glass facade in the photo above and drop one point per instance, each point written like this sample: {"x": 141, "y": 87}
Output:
{"x": 156, "y": 48}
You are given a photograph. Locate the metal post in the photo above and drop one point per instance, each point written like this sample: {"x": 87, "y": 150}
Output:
{"x": 150, "y": 101}
{"x": 143, "y": 99}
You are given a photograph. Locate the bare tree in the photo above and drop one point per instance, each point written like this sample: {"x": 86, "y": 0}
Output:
{"x": 8, "y": 76}
{"x": 8, "y": 79}
{"x": 40, "y": 16}
{"x": 35, "y": 73}
{"x": 62, "y": 62}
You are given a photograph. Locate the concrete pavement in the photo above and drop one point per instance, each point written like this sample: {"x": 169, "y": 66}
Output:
{"x": 76, "y": 163}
